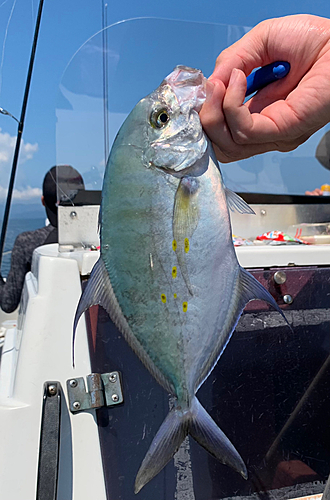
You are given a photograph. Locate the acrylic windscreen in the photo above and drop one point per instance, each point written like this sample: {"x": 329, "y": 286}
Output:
{"x": 123, "y": 63}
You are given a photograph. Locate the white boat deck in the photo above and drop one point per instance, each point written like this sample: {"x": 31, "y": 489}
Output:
{"x": 281, "y": 256}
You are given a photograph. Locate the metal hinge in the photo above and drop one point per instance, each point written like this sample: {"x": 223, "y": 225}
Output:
{"x": 102, "y": 390}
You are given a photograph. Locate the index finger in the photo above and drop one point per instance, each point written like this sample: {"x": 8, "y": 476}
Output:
{"x": 246, "y": 54}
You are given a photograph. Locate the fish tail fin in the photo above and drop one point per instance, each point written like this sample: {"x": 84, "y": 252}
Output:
{"x": 251, "y": 289}
{"x": 165, "y": 444}
{"x": 177, "y": 425}
{"x": 206, "y": 432}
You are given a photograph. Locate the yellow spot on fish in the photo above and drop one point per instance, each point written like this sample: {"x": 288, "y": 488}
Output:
{"x": 174, "y": 245}
{"x": 186, "y": 245}
{"x": 174, "y": 272}
{"x": 163, "y": 297}
{"x": 185, "y": 307}
{"x": 175, "y": 295}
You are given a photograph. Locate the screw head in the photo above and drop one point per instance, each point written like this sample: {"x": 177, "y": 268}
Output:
{"x": 263, "y": 212}
{"x": 73, "y": 383}
{"x": 73, "y": 214}
{"x": 115, "y": 398}
{"x": 288, "y": 299}
{"x": 52, "y": 390}
{"x": 76, "y": 405}
{"x": 280, "y": 277}
{"x": 113, "y": 378}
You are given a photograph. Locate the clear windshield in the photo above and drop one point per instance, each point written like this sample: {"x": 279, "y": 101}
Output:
{"x": 118, "y": 66}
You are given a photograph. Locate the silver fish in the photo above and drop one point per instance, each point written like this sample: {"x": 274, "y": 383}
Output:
{"x": 168, "y": 274}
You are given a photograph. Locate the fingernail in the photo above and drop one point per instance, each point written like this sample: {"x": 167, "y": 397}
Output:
{"x": 209, "y": 90}
{"x": 233, "y": 77}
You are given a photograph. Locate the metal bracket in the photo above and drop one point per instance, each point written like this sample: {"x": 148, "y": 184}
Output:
{"x": 102, "y": 390}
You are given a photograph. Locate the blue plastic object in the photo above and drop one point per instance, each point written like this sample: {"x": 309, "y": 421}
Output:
{"x": 266, "y": 75}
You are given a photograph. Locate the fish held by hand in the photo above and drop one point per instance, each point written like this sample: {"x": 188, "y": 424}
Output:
{"x": 168, "y": 274}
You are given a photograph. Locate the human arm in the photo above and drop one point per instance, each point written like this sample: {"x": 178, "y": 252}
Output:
{"x": 286, "y": 113}
{"x": 11, "y": 289}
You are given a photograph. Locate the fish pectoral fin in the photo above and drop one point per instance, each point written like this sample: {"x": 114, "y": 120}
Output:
{"x": 237, "y": 204}
{"x": 186, "y": 215}
{"x": 206, "y": 432}
{"x": 164, "y": 445}
{"x": 251, "y": 289}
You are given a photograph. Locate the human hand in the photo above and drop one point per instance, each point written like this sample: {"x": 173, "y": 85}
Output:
{"x": 316, "y": 192}
{"x": 286, "y": 113}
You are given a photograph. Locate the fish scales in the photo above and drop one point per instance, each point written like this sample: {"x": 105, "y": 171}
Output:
{"x": 168, "y": 273}
{"x": 137, "y": 286}
{"x": 172, "y": 336}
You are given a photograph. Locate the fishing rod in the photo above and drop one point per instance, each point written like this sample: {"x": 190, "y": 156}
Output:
{"x": 19, "y": 132}
{"x": 105, "y": 80}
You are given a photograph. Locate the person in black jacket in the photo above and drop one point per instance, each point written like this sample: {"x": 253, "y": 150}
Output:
{"x": 27, "y": 242}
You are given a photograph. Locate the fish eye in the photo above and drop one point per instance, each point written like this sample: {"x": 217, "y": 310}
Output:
{"x": 159, "y": 118}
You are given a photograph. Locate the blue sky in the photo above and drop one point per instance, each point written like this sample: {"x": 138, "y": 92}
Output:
{"x": 64, "y": 121}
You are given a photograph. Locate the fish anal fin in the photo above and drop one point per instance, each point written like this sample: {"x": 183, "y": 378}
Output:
{"x": 236, "y": 203}
{"x": 99, "y": 291}
{"x": 94, "y": 294}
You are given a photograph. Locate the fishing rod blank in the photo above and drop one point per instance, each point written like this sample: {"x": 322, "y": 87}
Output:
{"x": 19, "y": 133}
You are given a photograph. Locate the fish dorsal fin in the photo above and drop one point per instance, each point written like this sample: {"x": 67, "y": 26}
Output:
{"x": 237, "y": 204}
{"x": 185, "y": 221}
{"x": 99, "y": 291}
{"x": 251, "y": 289}
{"x": 246, "y": 288}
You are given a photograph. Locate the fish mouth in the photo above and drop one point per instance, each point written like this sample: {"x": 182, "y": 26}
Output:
{"x": 182, "y": 141}
{"x": 189, "y": 86}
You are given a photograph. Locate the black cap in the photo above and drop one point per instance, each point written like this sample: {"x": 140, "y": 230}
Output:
{"x": 61, "y": 182}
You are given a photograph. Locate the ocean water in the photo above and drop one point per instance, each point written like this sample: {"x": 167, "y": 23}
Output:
{"x": 15, "y": 227}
